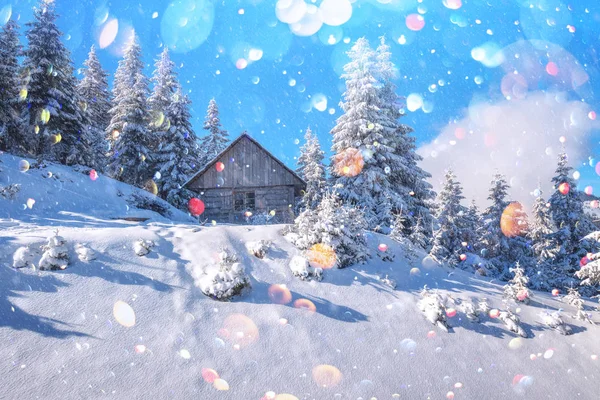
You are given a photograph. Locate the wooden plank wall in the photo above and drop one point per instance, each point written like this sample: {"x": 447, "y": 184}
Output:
{"x": 246, "y": 165}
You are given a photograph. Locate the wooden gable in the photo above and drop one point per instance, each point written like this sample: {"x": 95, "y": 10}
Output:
{"x": 246, "y": 164}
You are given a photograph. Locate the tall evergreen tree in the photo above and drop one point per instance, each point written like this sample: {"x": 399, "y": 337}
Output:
{"x": 93, "y": 90}
{"x": 125, "y": 77}
{"x": 12, "y": 137}
{"x": 448, "y": 237}
{"x": 543, "y": 274}
{"x": 217, "y": 138}
{"x": 470, "y": 229}
{"x": 409, "y": 181}
{"x": 177, "y": 152}
{"x": 312, "y": 171}
{"x": 501, "y": 250}
{"x": 132, "y": 145}
{"x": 368, "y": 135}
{"x": 566, "y": 209}
{"x": 53, "y": 116}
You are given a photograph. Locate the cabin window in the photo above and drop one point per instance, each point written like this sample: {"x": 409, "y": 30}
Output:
{"x": 243, "y": 201}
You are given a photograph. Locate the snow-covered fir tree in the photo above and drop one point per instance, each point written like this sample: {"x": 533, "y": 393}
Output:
{"x": 216, "y": 139}
{"x": 543, "y": 275}
{"x": 165, "y": 86}
{"x": 502, "y": 251}
{"x": 516, "y": 289}
{"x": 369, "y": 135}
{"x": 53, "y": 119}
{"x": 398, "y": 227}
{"x": 305, "y": 234}
{"x": 56, "y": 254}
{"x": 128, "y": 163}
{"x": 409, "y": 181}
{"x": 572, "y": 223}
{"x": 125, "y": 77}
{"x": 590, "y": 265}
{"x": 12, "y": 135}
{"x": 554, "y": 321}
{"x": 312, "y": 171}
{"x": 177, "y": 153}
{"x": 469, "y": 232}
{"x": 512, "y": 322}
{"x": 94, "y": 92}
{"x": 574, "y": 298}
{"x": 448, "y": 237}
{"x": 433, "y": 306}
{"x": 418, "y": 235}
{"x": 341, "y": 228}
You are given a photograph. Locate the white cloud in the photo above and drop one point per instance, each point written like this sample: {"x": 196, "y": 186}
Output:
{"x": 520, "y": 138}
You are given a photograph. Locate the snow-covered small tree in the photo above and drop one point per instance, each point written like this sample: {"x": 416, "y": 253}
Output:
{"x": 470, "y": 228}
{"x": 56, "y": 254}
{"x": 216, "y": 139}
{"x": 176, "y": 155}
{"x": 433, "y": 307}
{"x": 227, "y": 280}
{"x": 93, "y": 90}
{"x": 305, "y": 232}
{"x": 312, "y": 171}
{"x": 554, "y": 321}
{"x": 341, "y": 228}
{"x": 566, "y": 209}
{"x": 512, "y": 322}
{"x": 418, "y": 235}
{"x": 12, "y": 135}
{"x": 23, "y": 257}
{"x": 516, "y": 289}
{"x": 448, "y": 237}
{"x": 574, "y": 299}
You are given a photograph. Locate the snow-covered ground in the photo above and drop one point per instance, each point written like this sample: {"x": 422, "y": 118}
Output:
{"x": 68, "y": 334}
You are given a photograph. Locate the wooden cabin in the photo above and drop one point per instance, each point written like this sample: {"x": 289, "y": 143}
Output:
{"x": 244, "y": 181}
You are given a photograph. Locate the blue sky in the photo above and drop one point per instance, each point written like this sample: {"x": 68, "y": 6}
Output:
{"x": 448, "y": 52}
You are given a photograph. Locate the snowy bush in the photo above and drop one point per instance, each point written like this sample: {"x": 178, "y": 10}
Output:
{"x": 10, "y": 192}
{"x": 23, "y": 257}
{"x": 471, "y": 310}
{"x": 142, "y": 247}
{"x": 388, "y": 282}
{"x": 301, "y": 268}
{"x": 258, "y": 248}
{"x": 574, "y": 298}
{"x": 512, "y": 322}
{"x": 226, "y": 280}
{"x": 84, "y": 253}
{"x": 56, "y": 255}
{"x": 516, "y": 289}
{"x": 147, "y": 202}
{"x": 433, "y": 307}
{"x": 555, "y": 322}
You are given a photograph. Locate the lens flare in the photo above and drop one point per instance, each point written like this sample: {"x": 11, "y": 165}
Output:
{"x": 242, "y": 330}
{"x": 279, "y": 294}
{"x": 151, "y": 187}
{"x": 124, "y": 314}
{"x": 321, "y": 255}
{"x": 23, "y": 165}
{"x": 564, "y": 188}
{"x": 415, "y": 22}
{"x": 305, "y": 304}
{"x": 221, "y": 384}
{"x": 513, "y": 221}
{"x": 326, "y": 376}
{"x": 219, "y": 166}
{"x": 209, "y": 375}
{"x": 348, "y": 163}
{"x": 108, "y": 33}
{"x": 195, "y": 206}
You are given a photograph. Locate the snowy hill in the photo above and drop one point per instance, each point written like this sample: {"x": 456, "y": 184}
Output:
{"x": 67, "y": 334}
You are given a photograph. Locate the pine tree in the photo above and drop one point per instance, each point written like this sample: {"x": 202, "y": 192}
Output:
{"x": 363, "y": 140}
{"x": 516, "y": 289}
{"x": 12, "y": 137}
{"x": 312, "y": 171}
{"x": 418, "y": 236}
{"x": 53, "y": 117}
{"x": 398, "y": 230}
{"x": 216, "y": 140}
{"x": 544, "y": 248}
{"x": 166, "y": 85}
{"x": 590, "y": 265}
{"x": 177, "y": 153}
{"x": 502, "y": 251}
{"x": 408, "y": 180}
{"x": 341, "y": 228}
{"x": 93, "y": 90}
{"x": 566, "y": 209}
{"x": 132, "y": 145}
{"x": 125, "y": 77}
{"x": 56, "y": 254}
{"x": 471, "y": 227}
{"x": 574, "y": 298}
{"x": 448, "y": 237}
{"x": 304, "y": 228}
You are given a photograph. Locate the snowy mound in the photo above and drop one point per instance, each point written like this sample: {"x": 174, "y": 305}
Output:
{"x": 131, "y": 327}
{"x": 56, "y": 190}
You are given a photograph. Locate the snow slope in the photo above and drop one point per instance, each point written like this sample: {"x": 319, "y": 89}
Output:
{"x": 61, "y": 338}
